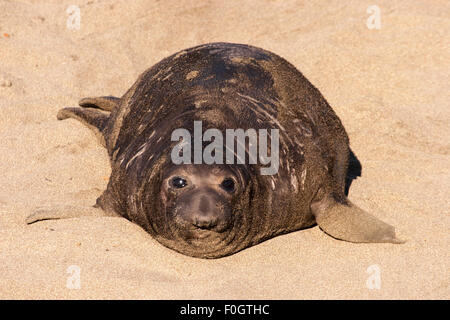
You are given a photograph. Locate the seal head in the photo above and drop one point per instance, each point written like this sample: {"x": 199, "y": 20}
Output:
{"x": 200, "y": 203}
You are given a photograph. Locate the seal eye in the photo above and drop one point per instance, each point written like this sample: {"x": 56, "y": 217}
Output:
{"x": 228, "y": 185}
{"x": 178, "y": 182}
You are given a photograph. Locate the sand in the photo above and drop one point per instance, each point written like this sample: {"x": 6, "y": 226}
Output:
{"x": 389, "y": 86}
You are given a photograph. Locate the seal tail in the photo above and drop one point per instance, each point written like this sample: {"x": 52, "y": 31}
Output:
{"x": 94, "y": 114}
{"x": 107, "y": 103}
{"x": 349, "y": 223}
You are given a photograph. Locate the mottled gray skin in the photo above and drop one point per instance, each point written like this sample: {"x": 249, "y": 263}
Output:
{"x": 226, "y": 86}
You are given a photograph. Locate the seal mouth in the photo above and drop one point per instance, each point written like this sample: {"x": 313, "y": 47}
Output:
{"x": 207, "y": 244}
{"x": 203, "y": 238}
{"x": 203, "y": 234}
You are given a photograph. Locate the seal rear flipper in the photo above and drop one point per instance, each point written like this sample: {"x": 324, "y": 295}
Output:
{"x": 349, "y": 223}
{"x": 106, "y": 103}
{"x": 66, "y": 212}
{"x": 95, "y": 120}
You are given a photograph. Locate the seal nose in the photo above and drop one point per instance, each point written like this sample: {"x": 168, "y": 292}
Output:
{"x": 203, "y": 209}
{"x": 204, "y": 205}
{"x": 203, "y": 222}
{"x": 204, "y": 217}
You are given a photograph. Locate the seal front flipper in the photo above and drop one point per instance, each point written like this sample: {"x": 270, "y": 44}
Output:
{"x": 67, "y": 212}
{"x": 350, "y": 223}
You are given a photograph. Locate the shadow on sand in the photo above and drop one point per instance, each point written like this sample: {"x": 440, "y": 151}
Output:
{"x": 353, "y": 172}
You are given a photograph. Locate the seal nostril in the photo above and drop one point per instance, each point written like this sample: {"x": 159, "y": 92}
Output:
{"x": 204, "y": 222}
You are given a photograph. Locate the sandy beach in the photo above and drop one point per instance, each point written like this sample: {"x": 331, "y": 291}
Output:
{"x": 389, "y": 86}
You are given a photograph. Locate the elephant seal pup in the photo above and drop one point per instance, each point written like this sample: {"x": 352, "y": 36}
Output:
{"x": 214, "y": 210}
